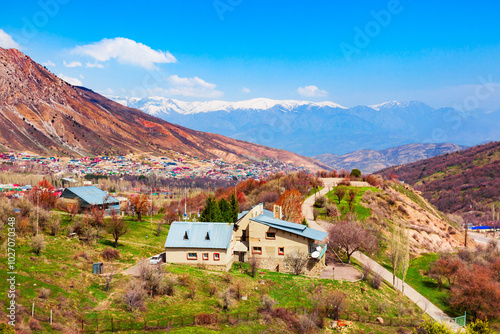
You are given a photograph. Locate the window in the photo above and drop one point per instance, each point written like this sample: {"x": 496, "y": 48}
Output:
{"x": 204, "y": 256}
{"x": 192, "y": 256}
{"x": 216, "y": 256}
{"x": 207, "y": 237}
{"x": 257, "y": 250}
{"x": 271, "y": 235}
{"x": 281, "y": 250}
{"x": 186, "y": 237}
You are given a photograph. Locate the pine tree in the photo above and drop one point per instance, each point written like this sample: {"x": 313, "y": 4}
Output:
{"x": 225, "y": 210}
{"x": 207, "y": 215}
{"x": 216, "y": 212}
{"x": 234, "y": 208}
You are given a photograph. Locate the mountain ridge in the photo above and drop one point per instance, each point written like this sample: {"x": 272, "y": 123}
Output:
{"x": 369, "y": 161}
{"x": 314, "y": 128}
{"x": 42, "y": 113}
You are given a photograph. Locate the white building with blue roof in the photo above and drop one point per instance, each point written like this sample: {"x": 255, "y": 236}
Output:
{"x": 194, "y": 243}
{"x": 258, "y": 233}
{"x": 269, "y": 239}
{"x": 91, "y": 196}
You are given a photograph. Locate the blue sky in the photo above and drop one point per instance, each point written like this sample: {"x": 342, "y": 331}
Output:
{"x": 350, "y": 52}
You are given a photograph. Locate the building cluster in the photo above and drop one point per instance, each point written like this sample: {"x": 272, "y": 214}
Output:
{"x": 179, "y": 167}
{"x": 258, "y": 235}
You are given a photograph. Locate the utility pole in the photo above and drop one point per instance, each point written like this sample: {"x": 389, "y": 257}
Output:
{"x": 467, "y": 227}
{"x": 151, "y": 206}
{"x": 185, "y": 204}
{"x": 37, "y": 209}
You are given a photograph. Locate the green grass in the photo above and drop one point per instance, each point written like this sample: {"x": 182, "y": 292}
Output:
{"x": 76, "y": 292}
{"x": 361, "y": 211}
{"x": 426, "y": 286}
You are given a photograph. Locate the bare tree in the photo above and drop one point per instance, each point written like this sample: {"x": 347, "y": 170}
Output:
{"x": 253, "y": 266}
{"x": 296, "y": 261}
{"x": 109, "y": 277}
{"x": 351, "y": 198}
{"x": 350, "y": 236}
{"x": 117, "y": 227}
{"x": 340, "y": 193}
{"x": 38, "y": 244}
{"x": 134, "y": 296}
{"x": 395, "y": 253}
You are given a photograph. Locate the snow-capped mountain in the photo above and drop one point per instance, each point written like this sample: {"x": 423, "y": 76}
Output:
{"x": 161, "y": 105}
{"x": 313, "y": 128}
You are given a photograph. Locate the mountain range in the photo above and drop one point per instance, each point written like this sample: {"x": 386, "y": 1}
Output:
{"x": 43, "y": 114}
{"x": 369, "y": 161}
{"x": 314, "y": 128}
{"x": 466, "y": 182}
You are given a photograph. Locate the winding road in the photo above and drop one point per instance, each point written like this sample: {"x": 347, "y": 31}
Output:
{"x": 307, "y": 210}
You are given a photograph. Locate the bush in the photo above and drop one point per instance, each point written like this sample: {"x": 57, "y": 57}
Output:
{"x": 134, "y": 296}
{"x": 320, "y": 202}
{"x": 44, "y": 293}
{"x": 367, "y": 271}
{"x": 315, "y": 213}
{"x": 433, "y": 327}
{"x": 34, "y": 325}
{"x": 227, "y": 299}
{"x": 6, "y": 328}
{"x": 296, "y": 262}
{"x": 376, "y": 281}
{"x": 478, "y": 327}
{"x": 54, "y": 226}
{"x": 38, "y": 244}
{"x": 267, "y": 303}
{"x": 332, "y": 211}
{"x": 110, "y": 254}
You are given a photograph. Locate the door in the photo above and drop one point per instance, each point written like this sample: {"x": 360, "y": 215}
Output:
{"x": 241, "y": 256}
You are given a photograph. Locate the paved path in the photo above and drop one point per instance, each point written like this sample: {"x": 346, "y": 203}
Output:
{"x": 432, "y": 310}
{"x": 482, "y": 238}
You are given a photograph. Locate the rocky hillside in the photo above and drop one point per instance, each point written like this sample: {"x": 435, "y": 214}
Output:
{"x": 429, "y": 230}
{"x": 369, "y": 161}
{"x": 41, "y": 113}
{"x": 454, "y": 182}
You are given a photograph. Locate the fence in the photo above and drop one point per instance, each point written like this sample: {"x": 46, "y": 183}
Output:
{"x": 94, "y": 322}
{"x": 111, "y": 324}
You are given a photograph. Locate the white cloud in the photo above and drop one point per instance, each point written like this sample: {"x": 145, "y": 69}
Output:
{"x": 48, "y": 63}
{"x": 311, "y": 91}
{"x": 191, "y": 87}
{"x": 245, "y": 90}
{"x": 126, "y": 51}
{"x": 71, "y": 81}
{"x": 72, "y": 64}
{"x": 7, "y": 42}
{"x": 92, "y": 65}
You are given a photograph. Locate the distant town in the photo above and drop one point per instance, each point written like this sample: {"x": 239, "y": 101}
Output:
{"x": 180, "y": 167}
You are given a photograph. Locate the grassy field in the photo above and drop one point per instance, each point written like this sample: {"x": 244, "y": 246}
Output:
{"x": 343, "y": 207}
{"x": 64, "y": 268}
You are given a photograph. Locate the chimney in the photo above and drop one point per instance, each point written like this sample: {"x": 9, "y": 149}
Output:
{"x": 277, "y": 211}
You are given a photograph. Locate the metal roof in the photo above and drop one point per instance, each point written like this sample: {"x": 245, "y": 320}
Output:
{"x": 196, "y": 233}
{"x": 267, "y": 219}
{"x": 91, "y": 195}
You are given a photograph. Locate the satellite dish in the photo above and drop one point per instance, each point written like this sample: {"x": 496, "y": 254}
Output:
{"x": 315, "y": 254}
{"x": 319, "y": 248}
